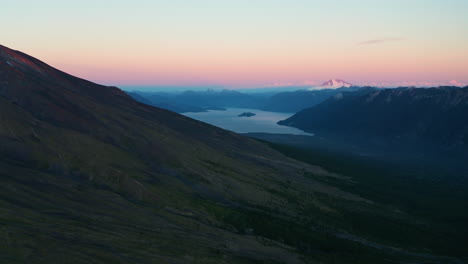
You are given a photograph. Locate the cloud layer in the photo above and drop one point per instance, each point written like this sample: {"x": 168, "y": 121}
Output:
{"x": 457, "y": 83}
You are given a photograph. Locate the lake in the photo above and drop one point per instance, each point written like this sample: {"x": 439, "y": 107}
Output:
{"x": 262, "y": 122}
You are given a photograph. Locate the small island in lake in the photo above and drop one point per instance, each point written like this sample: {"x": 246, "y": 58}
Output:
{"x": 247, "y": 114}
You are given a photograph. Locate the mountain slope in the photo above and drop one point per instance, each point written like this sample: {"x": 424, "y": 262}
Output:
{"x": 85, "y": 156}
{"x": 435, "y": 115}
{"x": 87, "y": 174}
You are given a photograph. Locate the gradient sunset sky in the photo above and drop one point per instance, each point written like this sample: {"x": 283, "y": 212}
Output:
{"x": 245, "y": 43}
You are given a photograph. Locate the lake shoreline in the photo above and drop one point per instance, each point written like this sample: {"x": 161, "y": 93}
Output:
{"x": 261, "y": 122}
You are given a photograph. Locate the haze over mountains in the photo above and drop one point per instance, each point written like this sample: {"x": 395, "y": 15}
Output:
{"x": 279, "y": 101}
{"x": 282, "y": 101}
{"x": 198, "y": 101}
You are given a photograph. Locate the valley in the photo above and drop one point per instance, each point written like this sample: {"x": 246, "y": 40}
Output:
{"x": 234, "y": 132}
{"x": 88, "y": 174}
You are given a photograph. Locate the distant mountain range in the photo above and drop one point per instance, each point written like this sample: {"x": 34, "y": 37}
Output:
{"x": 292, "y": 102}
{"x": 199, "y": 101}
{"x": 284, "y": 100}
{"x": 396, "y": 116}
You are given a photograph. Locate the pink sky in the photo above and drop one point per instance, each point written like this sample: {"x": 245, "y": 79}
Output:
{"x": 246, "y": 44}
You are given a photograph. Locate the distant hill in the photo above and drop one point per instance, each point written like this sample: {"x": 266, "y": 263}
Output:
{"x": 292, "y": 102}
{"x": 394, "y": 116}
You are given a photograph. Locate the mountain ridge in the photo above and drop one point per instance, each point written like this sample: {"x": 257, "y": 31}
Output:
{"x": 434, "y": 114}
{"x": 293, "y": 102}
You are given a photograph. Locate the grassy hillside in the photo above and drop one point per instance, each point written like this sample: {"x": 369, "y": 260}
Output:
{"x": 432, "y": 197}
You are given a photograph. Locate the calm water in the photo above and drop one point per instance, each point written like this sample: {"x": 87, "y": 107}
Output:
{"x": 263, "y": 121}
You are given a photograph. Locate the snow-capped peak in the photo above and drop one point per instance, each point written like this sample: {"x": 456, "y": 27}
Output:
{"x": 332, "y": 84}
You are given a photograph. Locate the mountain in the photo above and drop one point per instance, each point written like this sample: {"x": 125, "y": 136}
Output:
{"x": 89, "y": 175}
{"x": 292, "y": 102}
{"x": 432, "y": 117}
{"x": 332, "y": 84}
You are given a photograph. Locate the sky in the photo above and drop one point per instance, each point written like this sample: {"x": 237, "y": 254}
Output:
{"x": 244, "y": 43}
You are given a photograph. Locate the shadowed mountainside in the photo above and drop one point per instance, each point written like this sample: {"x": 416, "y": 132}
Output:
{"x": 292, "y": 102}
{"x": 429, "y": 117}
